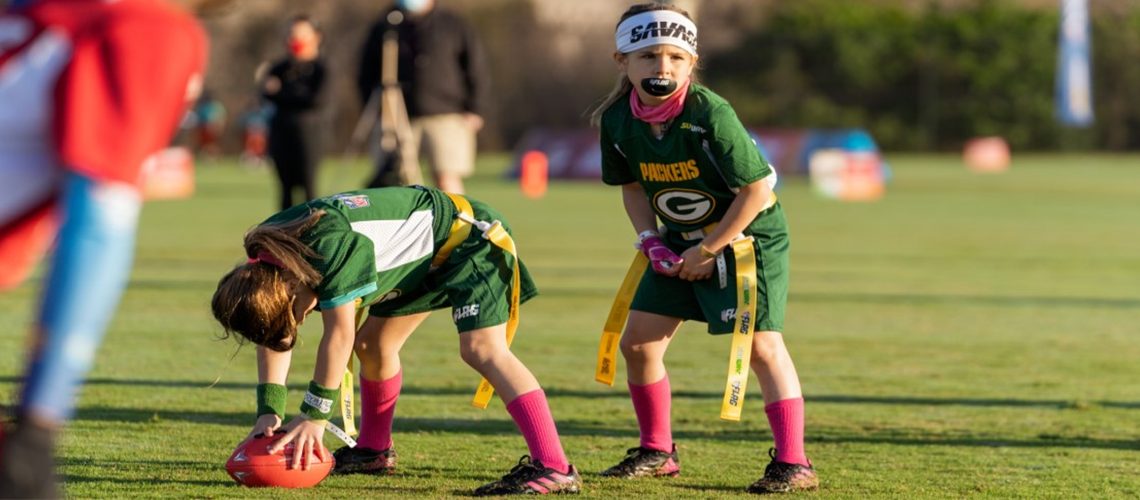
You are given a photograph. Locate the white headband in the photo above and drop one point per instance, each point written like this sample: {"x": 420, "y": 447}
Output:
{"x": 656, "y": 27}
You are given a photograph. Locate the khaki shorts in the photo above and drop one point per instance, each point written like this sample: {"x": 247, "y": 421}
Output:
{"x": 447, "y": 142}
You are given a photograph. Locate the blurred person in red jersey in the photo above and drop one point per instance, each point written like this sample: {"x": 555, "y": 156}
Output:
{"x": 92, "y": 88}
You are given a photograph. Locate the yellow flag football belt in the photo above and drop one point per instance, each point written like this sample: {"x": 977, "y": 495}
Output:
{"x": 460, "y": 230}
{"x": 499, "y": 237}
{"x": 741, "y": 353}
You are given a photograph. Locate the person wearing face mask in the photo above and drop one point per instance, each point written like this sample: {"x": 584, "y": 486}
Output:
{"x": 681, "y": 156}
{"x": 297, "y": 87}
{"x": 442, "y": 71}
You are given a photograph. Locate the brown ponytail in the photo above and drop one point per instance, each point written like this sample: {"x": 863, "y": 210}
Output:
{"x": 255, "y": 299}
{"x": 623, "y": 86}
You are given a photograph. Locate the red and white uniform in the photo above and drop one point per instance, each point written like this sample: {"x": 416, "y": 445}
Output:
{"x": 88, "y": 86}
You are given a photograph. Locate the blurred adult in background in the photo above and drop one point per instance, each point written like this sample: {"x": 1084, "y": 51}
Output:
{"x": 91, "y": 88}
{"x": 445, "y": 80}
{"x": 297, "y": 86}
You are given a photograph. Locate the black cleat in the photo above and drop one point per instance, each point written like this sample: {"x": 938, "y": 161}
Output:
{"x": 27, "y": 469}
{"x": 532, "y": 478}
{"x": 783, "y": 477}
{"x": 640, "y": 462}
{"x": 361, "y": 460}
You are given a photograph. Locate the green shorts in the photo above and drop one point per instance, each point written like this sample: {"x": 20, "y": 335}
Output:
{"x": 475, "y": 282}
{"x": 713, "y": 300}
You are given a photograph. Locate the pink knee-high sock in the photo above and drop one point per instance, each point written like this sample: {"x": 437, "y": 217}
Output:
{"x": 531, "y": 414}
{"x": 786, "y": 417}
{"x": 653, "y": 405}
{"x": 377, "y": 407}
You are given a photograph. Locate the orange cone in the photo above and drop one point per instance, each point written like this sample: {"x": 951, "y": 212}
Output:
{"x": 533, "y": 177}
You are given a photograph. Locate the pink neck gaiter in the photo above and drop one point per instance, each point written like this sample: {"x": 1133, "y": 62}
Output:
{"x": 661, "y": 113}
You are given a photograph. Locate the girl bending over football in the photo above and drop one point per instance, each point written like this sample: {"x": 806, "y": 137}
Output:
{"x": 398, "y": 253}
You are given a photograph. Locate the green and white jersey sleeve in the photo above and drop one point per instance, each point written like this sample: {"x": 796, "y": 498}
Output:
{"x": 373, "y": 241}
{"x": 691, "y": 174}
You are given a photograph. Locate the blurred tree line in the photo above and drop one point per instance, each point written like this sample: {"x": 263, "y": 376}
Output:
{"x": 929, "y": 78}
{"x": 919, "y": 74}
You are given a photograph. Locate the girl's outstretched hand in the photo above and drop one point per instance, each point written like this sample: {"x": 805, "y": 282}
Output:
{"x": 266, "y": 424}
{"x": 306, "y": 436}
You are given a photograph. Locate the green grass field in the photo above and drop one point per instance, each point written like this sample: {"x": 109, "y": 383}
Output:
{"x": 969, "y": 336}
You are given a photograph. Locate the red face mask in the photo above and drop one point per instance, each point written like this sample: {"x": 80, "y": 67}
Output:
{"x": 296, "y": 47}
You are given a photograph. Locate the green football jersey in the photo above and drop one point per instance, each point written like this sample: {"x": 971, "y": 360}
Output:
{"x": 690, "y": 175}
{"x": 374, "y": 244}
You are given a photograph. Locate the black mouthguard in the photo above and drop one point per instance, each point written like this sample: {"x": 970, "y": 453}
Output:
{"x": 659, "y": 87}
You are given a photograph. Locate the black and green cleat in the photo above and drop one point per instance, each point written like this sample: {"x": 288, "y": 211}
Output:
{"x": 362, "y": 460}
{"x": 783, "y": 477}
{"x": 639, "y": 462}
{"x": 532, "y": 478}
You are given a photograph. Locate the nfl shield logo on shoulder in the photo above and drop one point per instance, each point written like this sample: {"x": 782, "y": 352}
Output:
{"x": 356, "y": 201}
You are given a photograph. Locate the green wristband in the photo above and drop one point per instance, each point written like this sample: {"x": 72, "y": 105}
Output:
{"x": 318, "y": 404}
{"x": 271, "y": 400}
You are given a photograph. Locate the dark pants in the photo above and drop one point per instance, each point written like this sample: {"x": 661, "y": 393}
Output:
{"x": 294, "y": 146}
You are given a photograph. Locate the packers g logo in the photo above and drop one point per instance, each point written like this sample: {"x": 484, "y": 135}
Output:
{"x": 684, "y": 205}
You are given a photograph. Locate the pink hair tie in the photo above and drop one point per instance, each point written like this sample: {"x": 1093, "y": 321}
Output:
{"x": 266, "y": 258}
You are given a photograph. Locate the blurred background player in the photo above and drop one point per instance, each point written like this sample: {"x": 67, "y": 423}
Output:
{"x": 255, "y": 133}
{"x": 680, "y": 154}
{"x": 444, "y": 76}
{"x": 297, "y": 86}
{"x": 397, "y": 253}
{"x": 91, "y": 89}
{"x": 209, "y": 125}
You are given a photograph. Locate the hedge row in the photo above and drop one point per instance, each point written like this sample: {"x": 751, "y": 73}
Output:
{"x": 929, "y": 78}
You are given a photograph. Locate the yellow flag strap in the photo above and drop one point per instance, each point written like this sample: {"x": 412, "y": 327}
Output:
{"x": 347, "y": 391}
{"x": 500, "y": 238}
{"x": 619, "y": 312}
{"x": 347, "y": 408}
{"x": 460, "y": 230}
{"x": 739, "y": 357}
{"x": 493, "y": 232}
{"x": 741, "y": 351}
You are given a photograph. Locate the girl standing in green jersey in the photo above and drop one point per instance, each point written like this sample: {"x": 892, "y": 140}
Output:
{"x": 681, "y": 156}
{"x": 398, "y": 253}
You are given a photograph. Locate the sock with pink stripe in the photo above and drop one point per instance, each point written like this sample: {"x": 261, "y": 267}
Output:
{"x": 531, "y": 414}
{"x": 653, "y": 405}
{"x": 377, "y": 407}
{"x": 786, "y": 417}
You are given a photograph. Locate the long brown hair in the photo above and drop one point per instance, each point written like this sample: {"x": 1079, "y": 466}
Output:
{"x": 624, "y": 86}
{"x": 255, "y": 299}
